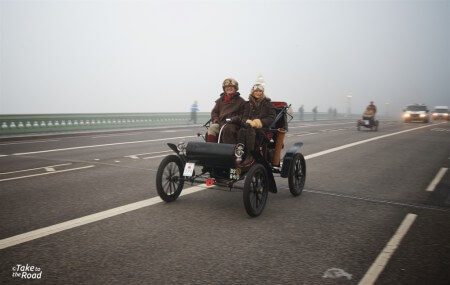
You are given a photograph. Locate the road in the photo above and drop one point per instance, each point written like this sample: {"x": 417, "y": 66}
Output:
{"x": 84, "y": 210}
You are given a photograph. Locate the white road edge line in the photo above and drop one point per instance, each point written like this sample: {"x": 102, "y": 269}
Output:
{"x": 39, "y": 233}
{"x": 3, "y": 155}
{"x": 47, "y": 173}
{"x": 21, "y": 238}
{"x": 100, "y": 145}
{"x": 25, "y": 170}
{"x": 436, "y": 179}
{"x": 383, "y": 258}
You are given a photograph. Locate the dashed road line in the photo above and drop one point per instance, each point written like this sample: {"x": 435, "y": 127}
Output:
{"x": 25, "y": 142}
{"x": 116, "y": 135}
{"x": 31, "y": 169}
{"x": 383, "y": 258}
{"x": 47, "y": 173}
{"x": 436, "y": 179}
{"x": 136, "y": 156}
{"x": 154, "y": 156}
{"x": 101, "y": 145}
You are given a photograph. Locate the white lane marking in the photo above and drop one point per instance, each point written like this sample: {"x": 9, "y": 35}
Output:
{"x": 11, "y": 241}
{"x": 169, "y": 131}
{"x": 436, "y": 179}
{"x": 360, "y": 142}
{"x": 42, "y": 232}
{"x": 3, "y": 155}
{"x": 154, "y": 156}
{"x": 40, "y": 174}
{"x": 135, "y": 156}
{"x": 335, "y": 273}
{"x": 100, "y": 145}
{"x": 116, "y": 135}
{"x": 318, "y": 125}
{"x": 383, "y": 258}
{"x": 17, "y": 142}
{"x": 308, "y": 134}
{"x": 31, "y": 169}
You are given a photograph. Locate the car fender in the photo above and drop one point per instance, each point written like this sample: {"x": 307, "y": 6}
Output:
{"x": 287, "y": 159}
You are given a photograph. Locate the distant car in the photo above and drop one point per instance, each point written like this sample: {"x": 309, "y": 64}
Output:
{"x": 441, "y": 113}
{"x": 416, "y": 113}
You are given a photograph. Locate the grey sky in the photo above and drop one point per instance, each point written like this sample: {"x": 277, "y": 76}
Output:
{"x": 102, "y": 56}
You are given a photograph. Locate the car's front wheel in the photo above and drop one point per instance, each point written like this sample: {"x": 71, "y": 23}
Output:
{"x": 169, "y": 182}
{"x": 255, "y": 190}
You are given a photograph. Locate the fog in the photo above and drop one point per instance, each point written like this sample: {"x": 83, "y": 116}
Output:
{"x": 160, "y": 56}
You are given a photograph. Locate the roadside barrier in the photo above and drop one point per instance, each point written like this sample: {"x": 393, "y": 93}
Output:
{"x": 42, "y": 123}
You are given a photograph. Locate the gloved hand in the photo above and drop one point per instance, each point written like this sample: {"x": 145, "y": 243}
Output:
{"x": 251, "y": 123}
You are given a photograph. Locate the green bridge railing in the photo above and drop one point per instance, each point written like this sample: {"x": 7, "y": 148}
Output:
{"x": 42, "y": 123}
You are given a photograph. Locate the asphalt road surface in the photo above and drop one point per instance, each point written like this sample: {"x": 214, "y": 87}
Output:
{"x": 83, "y": 209}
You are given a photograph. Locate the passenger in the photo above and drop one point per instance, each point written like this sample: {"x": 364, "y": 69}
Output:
{"x": 259, "y": 113}
{"x": 230, "y": 105}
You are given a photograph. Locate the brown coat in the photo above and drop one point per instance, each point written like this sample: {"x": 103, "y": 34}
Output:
{"x": 263, "y": 110}
{"x": 223, "y": 110}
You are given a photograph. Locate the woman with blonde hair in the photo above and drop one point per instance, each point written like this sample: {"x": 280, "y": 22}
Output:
{"x": 258, "y": 113}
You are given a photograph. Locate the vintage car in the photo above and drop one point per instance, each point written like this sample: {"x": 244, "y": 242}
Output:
{"x": 219, "y": 165}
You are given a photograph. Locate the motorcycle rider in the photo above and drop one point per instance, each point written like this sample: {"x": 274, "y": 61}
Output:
{"x": 229, "y": 105}
{"x": 258, "y": 113}
{"x": 370, "y": 112}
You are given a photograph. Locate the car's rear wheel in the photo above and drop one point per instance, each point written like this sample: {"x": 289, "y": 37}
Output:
{"x": 169, "y": 182}
{"x": 255, "y": 190}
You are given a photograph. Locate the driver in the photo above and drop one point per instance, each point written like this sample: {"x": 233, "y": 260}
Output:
{"x": 369, "y": 113}
{"x": 258, "y": 113}
{"x": 372, "y": 107}
{"x": 230, "y": 106}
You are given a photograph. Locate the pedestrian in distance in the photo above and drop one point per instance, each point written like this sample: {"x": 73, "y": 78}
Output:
{"x": 300, "y": 113}
{"x": 314, "y": 110}
{"x": 194, "y": 110}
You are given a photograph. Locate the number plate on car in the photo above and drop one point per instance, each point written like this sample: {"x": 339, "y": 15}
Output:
{"x": 189, "y": 169}
{"x": 366, "y": 122}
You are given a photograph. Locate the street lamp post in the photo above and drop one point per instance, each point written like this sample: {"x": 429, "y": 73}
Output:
{"x": 349, "y": 105}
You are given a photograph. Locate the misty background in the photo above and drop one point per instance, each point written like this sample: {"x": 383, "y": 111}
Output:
{"x": 160, "y": 56}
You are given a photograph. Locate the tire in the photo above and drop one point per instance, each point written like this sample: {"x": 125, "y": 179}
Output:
{"x": 297, "y": 175}
{"x": 255, "y": 190}
{"x": 376, "y": 126}
{"x": 168, "y": 183}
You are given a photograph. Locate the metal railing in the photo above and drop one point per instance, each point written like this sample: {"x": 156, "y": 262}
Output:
{"x": 43, "y": 123}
